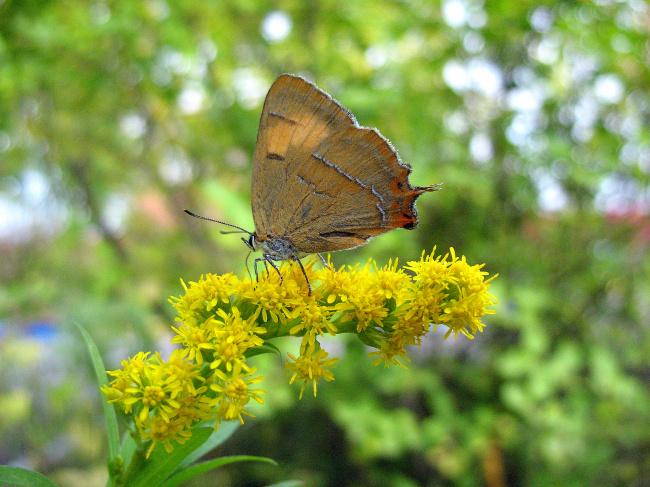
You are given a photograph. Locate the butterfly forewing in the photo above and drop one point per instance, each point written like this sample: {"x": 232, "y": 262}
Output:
{"x": 296, "y": 118}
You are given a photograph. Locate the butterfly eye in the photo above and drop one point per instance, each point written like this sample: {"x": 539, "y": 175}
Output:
{"x": 250, "y": 242}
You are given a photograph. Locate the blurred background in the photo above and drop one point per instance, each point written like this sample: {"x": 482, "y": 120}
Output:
{"x": 117, "y": 114}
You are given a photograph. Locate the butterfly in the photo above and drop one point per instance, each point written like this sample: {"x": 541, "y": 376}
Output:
{"x": 321, "y": 182}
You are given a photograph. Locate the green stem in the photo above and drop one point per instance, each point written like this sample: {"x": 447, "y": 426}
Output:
{"x": 135, "y": 465}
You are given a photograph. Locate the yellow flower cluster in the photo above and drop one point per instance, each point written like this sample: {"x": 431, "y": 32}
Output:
{"x": 162, "y": 397}
{"x": 224, "y": 320}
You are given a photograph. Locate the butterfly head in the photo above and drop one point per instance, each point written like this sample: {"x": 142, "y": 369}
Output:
{"x": 251, "y": 242}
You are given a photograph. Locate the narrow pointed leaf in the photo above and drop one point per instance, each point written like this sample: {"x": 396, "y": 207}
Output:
{"x": 20, "y": 477}
{"x": 265, "y": 348}
{"x": 288, "y": 483}
{"x": 224, "y": 432}
{"x": 112, "y": 431}
{"x": 199, "y": 468}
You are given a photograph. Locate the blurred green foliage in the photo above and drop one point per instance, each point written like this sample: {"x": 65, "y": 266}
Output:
{"x": 117, "y": 114}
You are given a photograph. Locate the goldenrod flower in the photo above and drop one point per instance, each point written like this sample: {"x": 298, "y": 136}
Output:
{"x": 367, "y": 302}
{"x": 233, "y": 337}
{"x": 225, "y": 320}
{"x": 201, "y": 297}
{"x": 460, "y": 291}
{"x": 313, "y": 320}
{"x": 164, "y": 398}
{"x": 233, "y": 393}
{"x": 311, "y": 367}
{"x": 272, "y": 298}
{"x": 158, "y": 430}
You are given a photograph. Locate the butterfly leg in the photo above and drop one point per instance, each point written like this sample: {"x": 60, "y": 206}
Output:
{"x": 325, "y": 262}
{"x": 257, "y": 278}
{"x": 304, "y": 272}
{"x": 267, "y": 258}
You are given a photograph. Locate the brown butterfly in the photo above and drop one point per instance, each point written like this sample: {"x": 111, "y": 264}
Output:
{"x": 321, "y": 182}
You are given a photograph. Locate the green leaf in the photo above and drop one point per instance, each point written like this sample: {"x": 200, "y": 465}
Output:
{"x": 112, "y": 431}
{"x": 20, "y": 477}
{"x": 288, "y": 483}
{"x": 265, "y": 348}
{"x": 200, "y": 468}
{"x": 224, "y": 432}
{"x": 161, "y": 464}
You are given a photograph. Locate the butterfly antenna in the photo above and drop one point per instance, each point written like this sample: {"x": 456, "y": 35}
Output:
{"x": 240, "y": 229}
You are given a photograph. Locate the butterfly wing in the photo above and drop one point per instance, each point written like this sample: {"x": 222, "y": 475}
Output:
{"x": 296, "y": 118}
{"x": 322, "y": 181}
{"x": 359, "y": 189}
